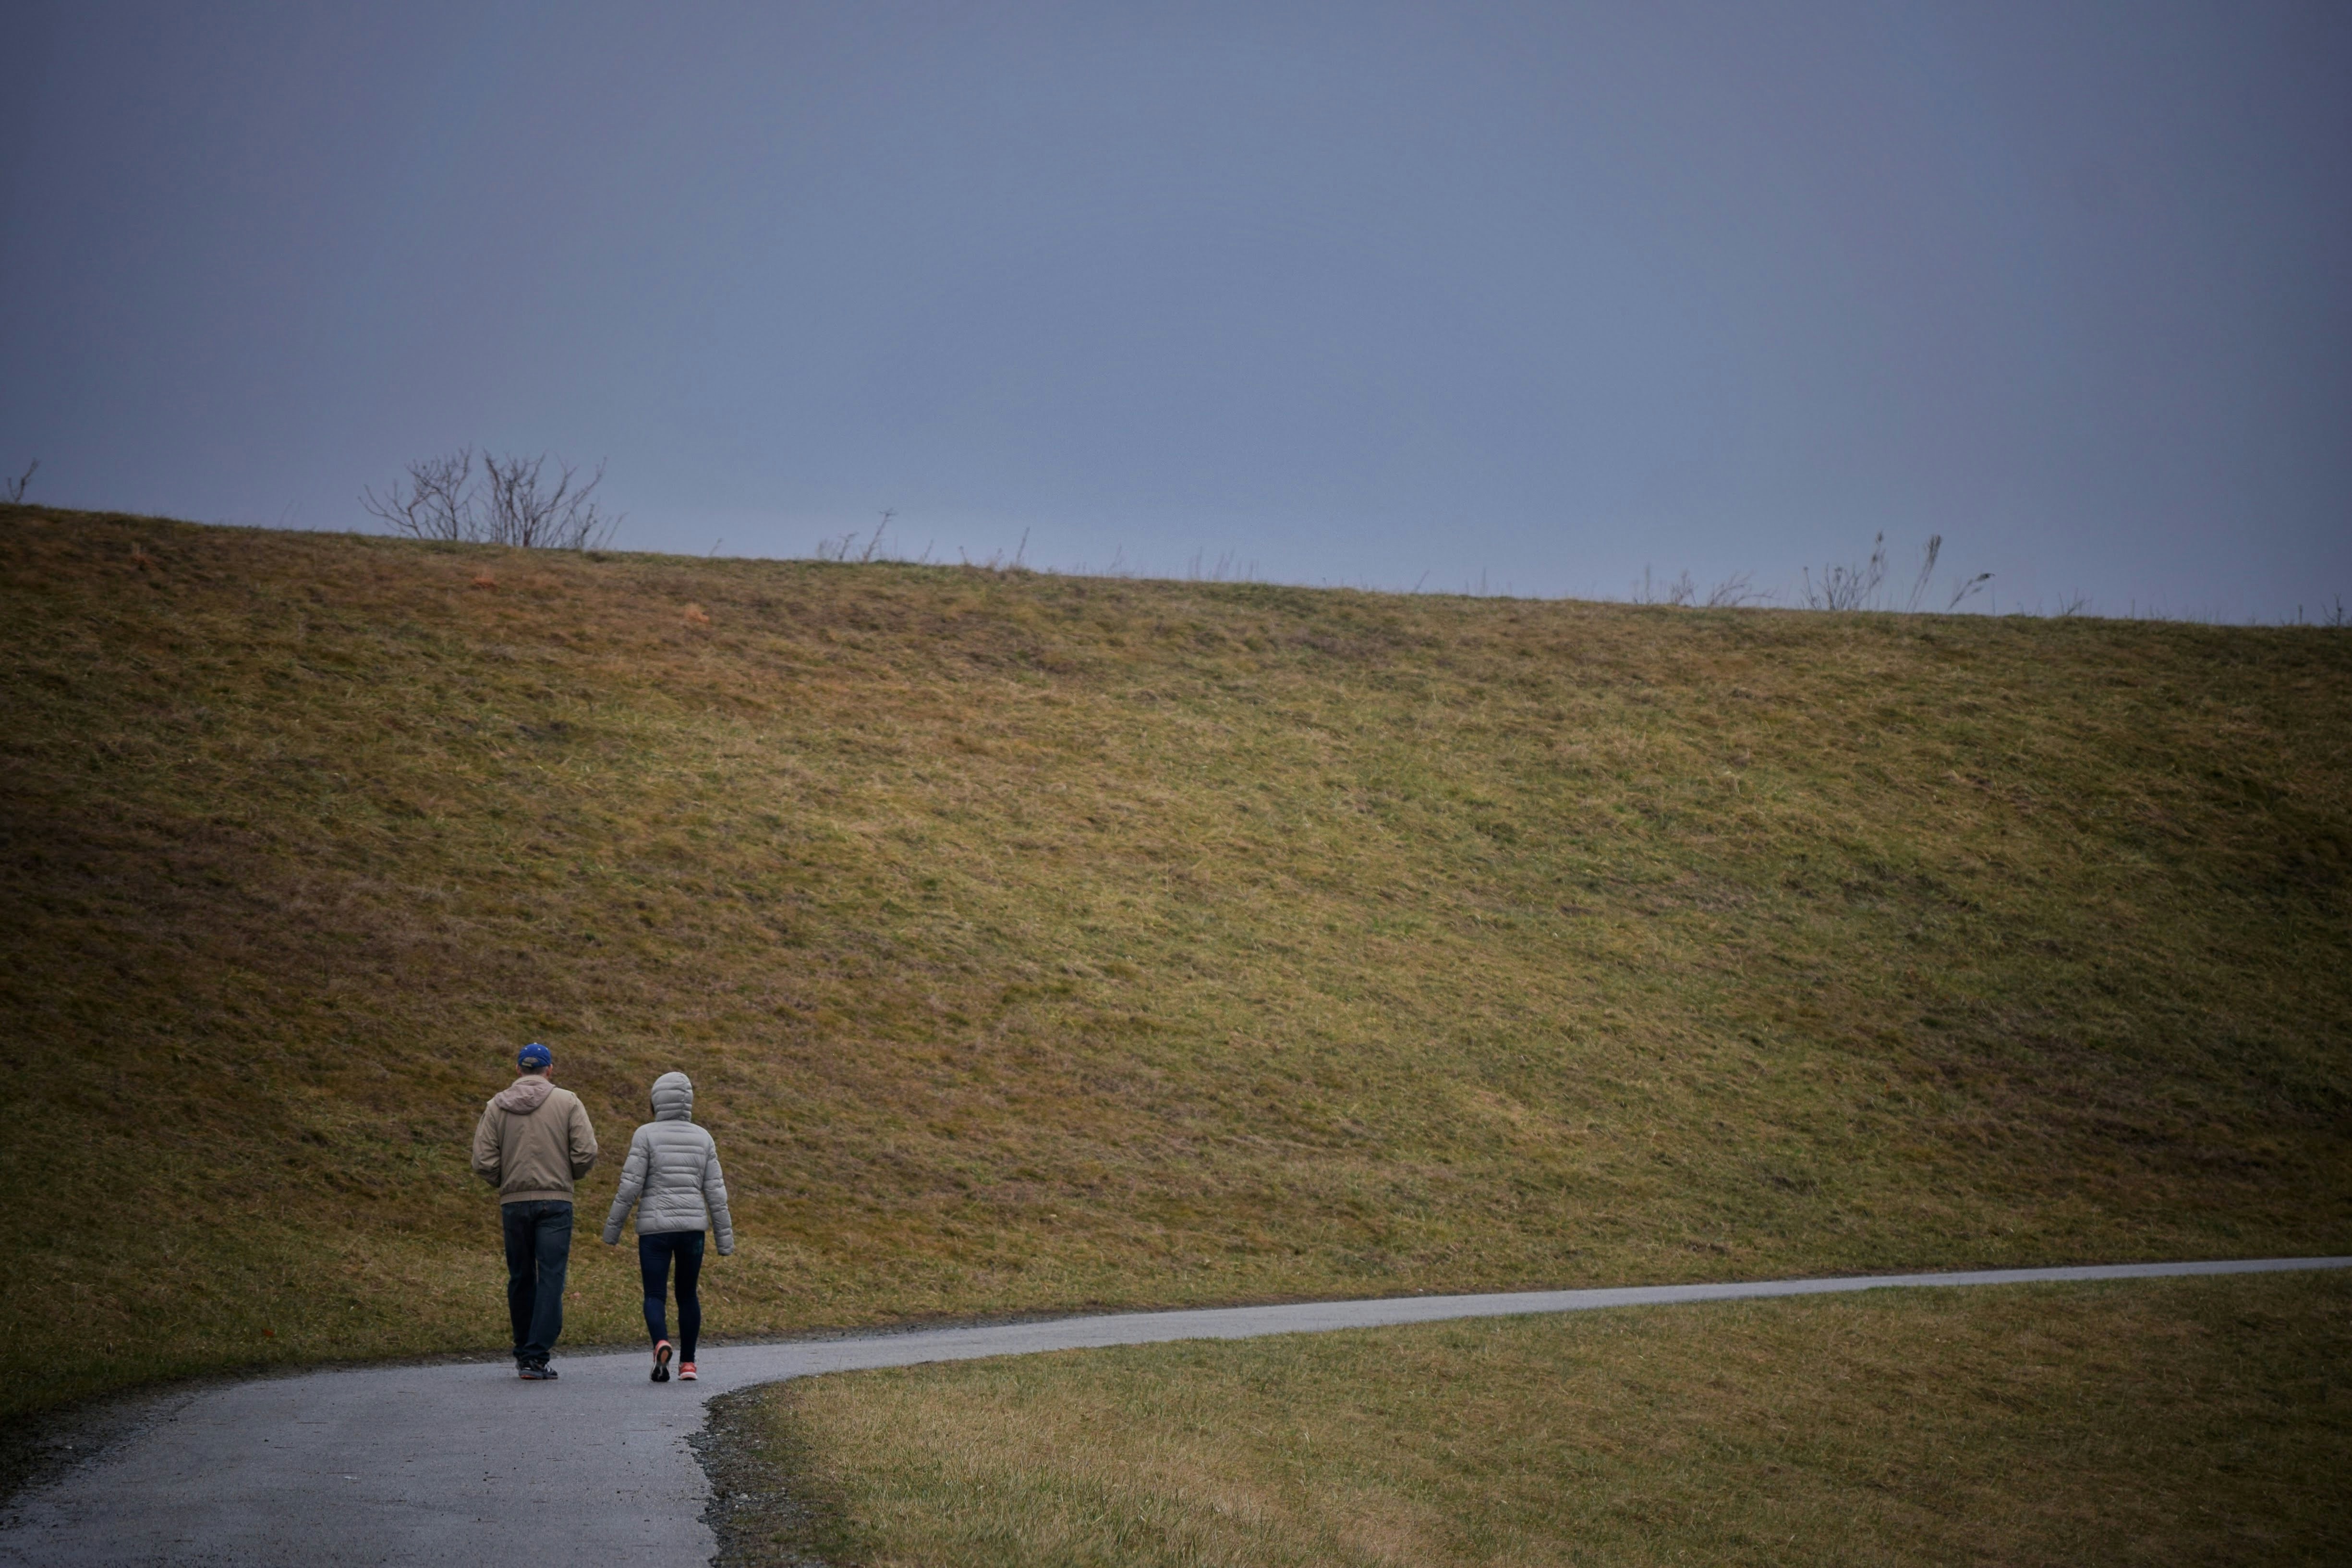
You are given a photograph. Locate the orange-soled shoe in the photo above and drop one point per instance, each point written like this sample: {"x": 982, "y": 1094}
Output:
{"x": 661, "y": 1362}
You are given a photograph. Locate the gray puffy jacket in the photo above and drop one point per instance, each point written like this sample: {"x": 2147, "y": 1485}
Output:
{"x": 672, "y": 1176}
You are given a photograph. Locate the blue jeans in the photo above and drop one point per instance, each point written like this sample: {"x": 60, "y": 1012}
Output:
{"x": 654, "y": 1254}
{"x": 538, "y": 1251}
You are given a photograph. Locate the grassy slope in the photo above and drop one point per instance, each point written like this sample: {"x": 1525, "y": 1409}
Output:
{"x": 2204, "y": 1421}
{"x": 1040, "y": 941}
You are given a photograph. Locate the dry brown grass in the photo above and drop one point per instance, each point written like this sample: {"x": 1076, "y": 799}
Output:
{"x": 2148, "y": 1422}
{"x": 1042, "y": 942}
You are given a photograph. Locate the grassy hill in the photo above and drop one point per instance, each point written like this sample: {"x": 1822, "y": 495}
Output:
{"x": 1040, "y": 941}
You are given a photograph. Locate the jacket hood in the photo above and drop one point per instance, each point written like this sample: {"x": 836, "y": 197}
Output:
{"x": 525, "y": 1095}
{"x": 672, "y": 1097}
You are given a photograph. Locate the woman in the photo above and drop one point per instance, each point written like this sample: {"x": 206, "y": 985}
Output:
{"x": 672, "y": 1180}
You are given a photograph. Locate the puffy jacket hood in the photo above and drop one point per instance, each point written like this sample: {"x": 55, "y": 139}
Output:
{"x": 672, "y": 1097}
{"x": 525, "y": 1095}
{"x": 672, "y": 1177}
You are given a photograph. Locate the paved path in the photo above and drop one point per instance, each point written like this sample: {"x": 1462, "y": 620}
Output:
{"x": 452, "y": 1466}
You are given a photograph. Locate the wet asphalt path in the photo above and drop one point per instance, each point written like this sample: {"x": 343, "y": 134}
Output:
{"x": 464, "y": 1464}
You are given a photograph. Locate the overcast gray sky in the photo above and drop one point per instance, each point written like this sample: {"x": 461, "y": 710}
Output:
{"x": 1367, "y": 293}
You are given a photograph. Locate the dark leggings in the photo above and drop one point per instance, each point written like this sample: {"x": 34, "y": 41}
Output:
{"x": 654, "y": 1254}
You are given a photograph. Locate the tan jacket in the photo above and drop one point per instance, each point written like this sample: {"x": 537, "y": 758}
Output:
{"x": 533, "y": 1142}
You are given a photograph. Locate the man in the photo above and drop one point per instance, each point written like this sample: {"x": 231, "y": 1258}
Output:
{"x": 533, "y": 1142}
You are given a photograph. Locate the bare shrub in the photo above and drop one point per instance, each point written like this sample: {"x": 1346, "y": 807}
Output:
{"x": 1681, "y": 591}
{"x": 511, "y": 502}
{"x": 1733, "y": 592}
{"x": 522, "y": 509}
{"x": 13, "y": 490}
{"x": 1848, "y": 587}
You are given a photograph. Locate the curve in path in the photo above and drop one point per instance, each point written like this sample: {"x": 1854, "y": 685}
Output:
{"x": 464, "y": 1464}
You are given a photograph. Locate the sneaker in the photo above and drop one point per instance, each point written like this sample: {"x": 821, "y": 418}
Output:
{"x": 685, "y": 1372}
{"x": 538, "y": 1371}
{"x": 661, "y": 1362}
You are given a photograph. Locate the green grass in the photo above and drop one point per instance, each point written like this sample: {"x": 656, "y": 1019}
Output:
{"x": 2144, "y": 1421}
{"x": 1040, "y": 943}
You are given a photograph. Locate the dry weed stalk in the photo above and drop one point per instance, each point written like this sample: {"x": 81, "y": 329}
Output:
{"x": 1848, "y": 587}
{"x": 1926, "y": 570}
{"x": 1682, "y": 591}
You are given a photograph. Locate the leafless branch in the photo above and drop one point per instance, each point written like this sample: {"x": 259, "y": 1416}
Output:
{"x": 1732, "y": 593}
{"x": 14, "y": 489}
{"x": 434, "y": 500}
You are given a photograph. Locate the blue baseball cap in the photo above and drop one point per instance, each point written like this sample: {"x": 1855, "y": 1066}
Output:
{"x": 535, "y": 1054}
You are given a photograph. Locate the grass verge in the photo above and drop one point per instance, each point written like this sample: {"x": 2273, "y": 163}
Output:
{"x": 2148, "y": 1422}
{"x": 1040, "y": 943}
